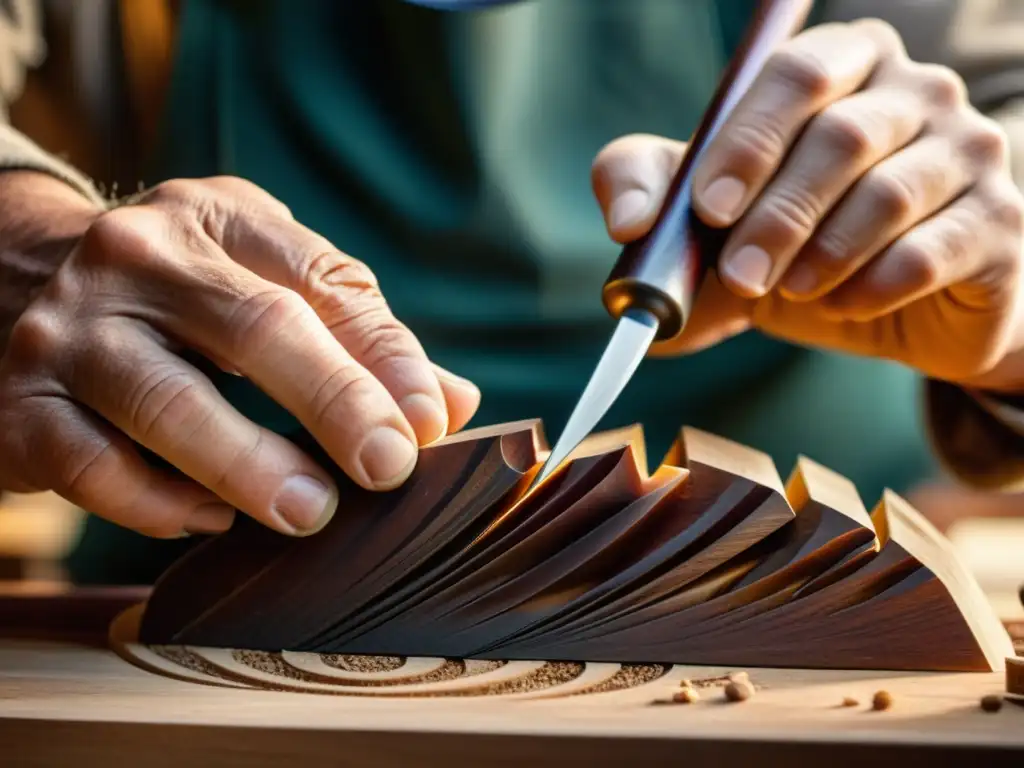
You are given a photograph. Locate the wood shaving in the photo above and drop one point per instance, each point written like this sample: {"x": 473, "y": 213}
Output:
{"x": 991, "y": 703}
{"x": 881, "y": 701}
{"x": 738, "y": 691}
{"x": 686, "y": 696}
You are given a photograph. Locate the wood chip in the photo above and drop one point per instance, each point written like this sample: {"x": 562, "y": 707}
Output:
{"x": 686, "y": 696}
{"x": 849, "y": 701}
{"x": 992, "y": 703}
{"x": 738, "y": 690}
{"x": 686, "y": 683}
{"x": 881, "y": 701}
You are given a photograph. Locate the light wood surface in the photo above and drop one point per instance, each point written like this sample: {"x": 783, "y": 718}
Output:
{"x": 82, "y": 707}
{"x": 993, "y": 551}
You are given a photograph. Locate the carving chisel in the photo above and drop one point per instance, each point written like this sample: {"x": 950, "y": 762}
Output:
{"x": 650, "y": 289}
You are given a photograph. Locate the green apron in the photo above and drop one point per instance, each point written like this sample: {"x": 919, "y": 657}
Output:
{"x": 451, "y": 152}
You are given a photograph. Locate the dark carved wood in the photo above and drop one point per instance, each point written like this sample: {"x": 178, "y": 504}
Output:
{"x": 711, "y": 560}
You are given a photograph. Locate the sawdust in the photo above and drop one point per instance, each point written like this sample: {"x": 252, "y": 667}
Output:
{"x": 629, "y": 676}
{"x": 187, "y": 659}
{"x": 363, "y": 664}
{"x": 547, "y": 676}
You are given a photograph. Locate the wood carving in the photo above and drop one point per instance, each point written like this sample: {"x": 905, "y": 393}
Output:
{"x": 710, "y": 560}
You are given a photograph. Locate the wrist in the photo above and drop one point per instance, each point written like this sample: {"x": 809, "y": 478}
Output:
{"x": 41, "y": 219}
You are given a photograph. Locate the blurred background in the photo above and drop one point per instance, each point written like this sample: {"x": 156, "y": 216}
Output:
{"x": 74, "y": 82}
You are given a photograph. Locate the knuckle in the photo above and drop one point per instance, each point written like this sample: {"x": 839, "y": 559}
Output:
{"x": 616, "y": 148}
{"x": 918, "y": 265}
{"x": 165, "y": 401}
{"x": 262, "y": 316}
{"x": 800, "y": 71}
{"x": 131, "y": 236}
{"x": 885, "y": 35}
{"x": 36, "y": 339}
{"x": 952, "y": 246}
{"x": 91, "y": 469}
{"x": 99, "y": 341}
{"x": 381, "y": 337}
{"x": 345, "y": 391}
{"x": 985, "y": 142}
{"x": 942, "y": 86}
{"x": 1004, "y": 204}
{"x": 753, "y": 146}
{"x": 243, "y": 188}
{"x": 846, "y": 134}
{"x": 236, "y": 183}
{"x": 177, "y": 190}
{"x": 77, "y": 473}
{"x": 890, "y": 194}
{"x": 109, "y": 231}
{"x": 1009, "y": 261}
{"x": 622, "y": 159}
{"x": 201, "y": 202}
{"x": 235, "y": 466}
{"x": 791, "y": 210}
{"x": 1008, "y": 210}
{"x": 830, "y": 249}
{"x": 334, "y": 270}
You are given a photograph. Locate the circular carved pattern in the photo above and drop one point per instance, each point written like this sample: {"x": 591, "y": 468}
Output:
{"x": 380, "y": 676}
{"x": 441, "y": 678}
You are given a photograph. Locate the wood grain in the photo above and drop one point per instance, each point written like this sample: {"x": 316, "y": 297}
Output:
{"x": 71, "y": 705}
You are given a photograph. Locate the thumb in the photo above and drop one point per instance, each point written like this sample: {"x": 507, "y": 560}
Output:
{"x": 630, "y": 177}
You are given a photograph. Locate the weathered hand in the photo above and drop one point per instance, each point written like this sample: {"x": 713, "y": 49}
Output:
{"x": 218, "y": 266}
{"x": 872, "y": 211}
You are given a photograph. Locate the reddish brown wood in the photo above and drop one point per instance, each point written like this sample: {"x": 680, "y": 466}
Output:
{"x": 600, "y": 563}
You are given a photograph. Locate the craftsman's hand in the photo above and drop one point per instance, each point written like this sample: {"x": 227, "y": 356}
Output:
{"x": 220, "y": 267}
{"x": 872, "y": 211}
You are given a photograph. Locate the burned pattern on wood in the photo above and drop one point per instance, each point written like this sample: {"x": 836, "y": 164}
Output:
{"x": 712, "y": 559}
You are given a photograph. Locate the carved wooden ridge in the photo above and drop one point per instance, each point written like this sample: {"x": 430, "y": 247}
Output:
{"x": 710, "y": 560}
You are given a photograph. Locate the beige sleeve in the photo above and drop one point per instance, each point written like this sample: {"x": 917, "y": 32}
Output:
{"x": 18, "y": 152}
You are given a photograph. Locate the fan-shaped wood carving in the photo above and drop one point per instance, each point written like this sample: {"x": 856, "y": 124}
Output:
{"x": 710, "y": 560}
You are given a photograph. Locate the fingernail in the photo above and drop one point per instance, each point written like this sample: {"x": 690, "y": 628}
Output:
{"x": 750, "y": 267}
{"x": 215, "y": 517}
{"x": 305, "y": 503}
{"x": 428, "y": 419}
{"x": 628, "y": 209}
{"x": 801, "y": 280}
{"x": 723, "y": 197}
{"x": 387, "y": 457}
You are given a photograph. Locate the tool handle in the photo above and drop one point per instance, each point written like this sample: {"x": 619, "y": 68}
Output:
{"x": 660, "y": 272}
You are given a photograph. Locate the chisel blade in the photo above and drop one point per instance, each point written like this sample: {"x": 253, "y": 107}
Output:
{"x": 633, "y": 336}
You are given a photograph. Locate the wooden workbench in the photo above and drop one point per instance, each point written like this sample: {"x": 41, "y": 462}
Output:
{"x": 76, "y": 704}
